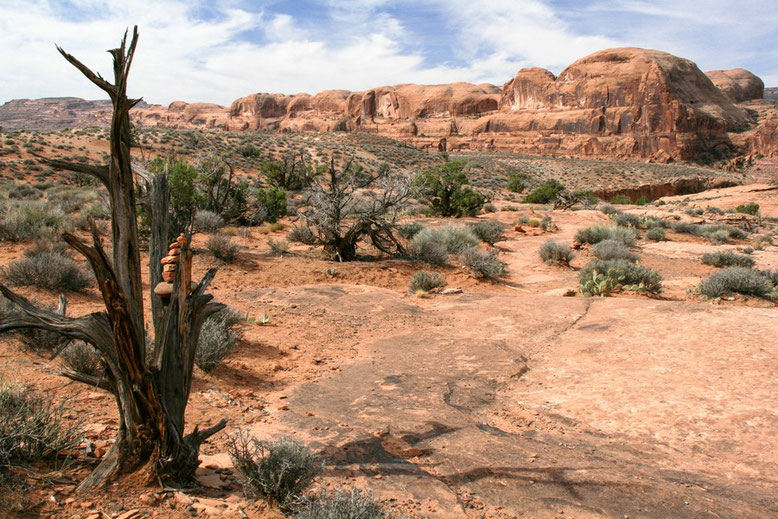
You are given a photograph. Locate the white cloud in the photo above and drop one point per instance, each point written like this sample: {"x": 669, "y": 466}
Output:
{"x": 236, "y": 50}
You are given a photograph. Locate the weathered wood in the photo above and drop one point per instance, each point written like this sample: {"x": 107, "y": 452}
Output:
{"x": 151, "y": 397}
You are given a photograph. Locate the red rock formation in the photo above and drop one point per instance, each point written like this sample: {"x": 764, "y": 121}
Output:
{"x": 737, "y": 84}
{"x": 616, "y": 103}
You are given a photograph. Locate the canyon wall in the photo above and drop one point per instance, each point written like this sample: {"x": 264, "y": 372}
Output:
{"x": 626, "y": 103}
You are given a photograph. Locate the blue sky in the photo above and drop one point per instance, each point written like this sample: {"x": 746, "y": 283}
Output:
{"x": 216, "y": 51}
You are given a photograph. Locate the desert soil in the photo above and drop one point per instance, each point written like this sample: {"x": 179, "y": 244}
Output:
{"x": 513, "y": 399}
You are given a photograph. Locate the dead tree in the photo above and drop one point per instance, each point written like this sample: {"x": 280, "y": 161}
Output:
{"x": 151, "y": 394}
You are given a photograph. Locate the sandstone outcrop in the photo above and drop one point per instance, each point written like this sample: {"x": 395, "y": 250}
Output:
{"x": 627, "y": 103}
{"x": 738, "y": 84}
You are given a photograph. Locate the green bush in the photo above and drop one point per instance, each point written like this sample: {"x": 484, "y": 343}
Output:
{"x": 409, "y": 230}
{"x": 553, "y": 253}
{"x": 453, "y": 238}
{"x": 48, "y": 270}
{"x": 273, "y": 201}
{"x": 603, "y": 277}
{"x": 444, "y": 189}
{"x": 655, "y": 234}
{"x": 727, "y": 259}
{"x": 516, "y": 183}
{"x": 751, "y": 208}
{"x": 222, "y": 247}
{"x": 626, "y": 219}
{"x": 545, "y": 193}
{"x": 488, "y": 231}
{"x": 30, "y": 220}
{"x": 276, "y": 470}
{"x": 428, "y": 250}
{"x": 613, "y": 250}
{"x": 482, "y": 264}
{"x": 340, "y": 504}
{"x": 32, "y": 427}
{"x": 621, "y": 200}
{"x": 737, "y": 279}
{"x": 598, "y": 233}
{"x": 217, "y": 339}
{"x": 426, "y": 281}
{"x": 643, "y": 200}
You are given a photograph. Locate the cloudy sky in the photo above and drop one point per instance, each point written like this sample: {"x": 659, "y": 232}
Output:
{"x": 218, "y": 50}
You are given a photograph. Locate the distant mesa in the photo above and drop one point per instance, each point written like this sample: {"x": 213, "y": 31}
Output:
{"x": 628, "y": 103}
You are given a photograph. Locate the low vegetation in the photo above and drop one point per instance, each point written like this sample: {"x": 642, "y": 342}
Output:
{"x": 740, "y": 280}
{"x": 222, "y": 247}
{"x": 482, "y": 264}
{"x": 277, "y": 470}
{"x": 604, "y": 277}
{"x": 351, "y": 503}
{"x": 218, "y": 338}
{"x": 598, "y": 233}
{"x": 425, "y": 281}
{"x": 727, "y": 259}
{"x": 31, "y": 426}
{"x": 555, "y": 253}
{"x": 611, "y": 249}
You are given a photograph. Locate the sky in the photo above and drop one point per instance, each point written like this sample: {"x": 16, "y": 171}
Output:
{"x": 219, "y": 50}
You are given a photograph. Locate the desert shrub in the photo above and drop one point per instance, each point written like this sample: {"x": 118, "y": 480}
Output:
{"x": 603, "y": 277}
{"x": 222, "y": 247}
{"x": 409, "y": 230}
{"x": 715, "y": 232}
{"x": 655, "y": 234}
{"x": 609, "y": 209}
{"x": 552, "y": 252}
{"x": 772, "y": 275}
{"x": 612, "y": 250}
{"x": 208, "y": 221}
{"x": 444, "y": 189}
{"x": 217, "y": 339}
{"x": 651, "y": 223}
{"x": 24, "y": 192}
{"x": 621, "y": 200}
{"x": 273, "y": 201}
{"x": 340, "y": 504}
{"x": 598, "y": 233}
{"x": 685, "y": 228}
{"x": 31, "y": 426}
{"x": 516, "y": 183}
{"x": 625, "y": 219}
{"x": 278, "y": 247}
{"x": 643, "y": 200}
{"x": 454, "y": 238}
{"x": 426, "y": 281}
{"x": 428, "y": 251}
{"x": 48, "y": 270}
{"x": 482, "y": 264}
{"x": 750, "y": 208}
{"x": 718, "y": 237}
{"x": 727, "y": 259}
{"x": 82, "y": 358}
{"x": 545, "y": 193}
{"x": 736, "y": 279}
{"x": 276, "y": 470}
{"x": 488, "y": 231}
{"x": 29, "y": 220}
{"x": 301, "y": 234}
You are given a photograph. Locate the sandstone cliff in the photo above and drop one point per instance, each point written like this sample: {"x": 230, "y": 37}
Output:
{"x": 616, "y": 103}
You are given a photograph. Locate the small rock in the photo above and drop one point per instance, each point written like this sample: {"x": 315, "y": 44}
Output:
{"x": 450, "y": 291}
{"x": 283, "y": 408}
{"x": 130, "y": 514}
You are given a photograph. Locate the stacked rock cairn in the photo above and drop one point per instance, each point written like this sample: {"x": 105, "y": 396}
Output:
{"x": 170, "y": 262}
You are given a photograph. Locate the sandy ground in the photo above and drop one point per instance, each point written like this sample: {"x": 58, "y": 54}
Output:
{"x": 505, "y": 400}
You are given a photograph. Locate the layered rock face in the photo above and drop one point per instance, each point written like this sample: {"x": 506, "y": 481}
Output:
{"x": 738, "y": 84}
{"x": 624, "y": 103}
{"x": 53, "y": 113}
{"x": 616, "y": 103}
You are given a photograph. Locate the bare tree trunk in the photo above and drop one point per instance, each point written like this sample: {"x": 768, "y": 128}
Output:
{"x": 151, "y": 398}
